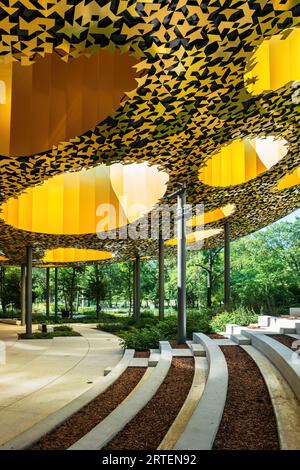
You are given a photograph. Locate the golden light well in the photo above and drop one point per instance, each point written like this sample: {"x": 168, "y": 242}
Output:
{"x": 197, "y": 236}
{"x": 53, "y": 101}
{"x": 70, "y": 255}
{"x": 212, "y": 216}
{"x": 289, "y": 180}
{"x": 87, "y": 201}
{"x": 242, "y": 160}
{"x": 275, "y": 63}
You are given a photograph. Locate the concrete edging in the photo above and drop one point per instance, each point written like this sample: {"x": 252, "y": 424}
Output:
{"x": 105, "y": 431}
{"x": 280, "y": 356}
{"x": 203, "y": 426}
{"x": 189, "y": 406}
{"x": 48, "y": 424}
{"x": 285, "y": 405}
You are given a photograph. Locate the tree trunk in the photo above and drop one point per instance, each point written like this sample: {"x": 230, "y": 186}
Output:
{"x": 2, "y": 288}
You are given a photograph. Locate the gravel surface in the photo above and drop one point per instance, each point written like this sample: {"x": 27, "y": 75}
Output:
{"x": 248, "y": 421}
{"x": 150, "y": 425}
{"x": 286, "y": 340}
{"x": 92, "y": 414}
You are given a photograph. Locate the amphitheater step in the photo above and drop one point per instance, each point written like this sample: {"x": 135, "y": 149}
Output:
{"x": 154, "y": 357}
{"x": 197, "y": 349}
{"x": 240, "y": 339}
{"x": 182, "y": 353}
{"x": 287, "y": 331}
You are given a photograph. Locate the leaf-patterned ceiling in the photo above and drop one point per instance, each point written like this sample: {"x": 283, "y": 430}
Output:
{"x": 191, "y": 99}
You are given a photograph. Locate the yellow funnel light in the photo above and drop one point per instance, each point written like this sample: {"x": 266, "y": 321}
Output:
{"x": 89, "y": 201}
{"x": 53, "y": 101}
{"x": 3, "y": 258}
{"x": 71, "y": 255}
{"x": 274, "y": 63}
{"x": 197, "y": 236}
{"x": 242, "y": 161}
{"x": 212, "y": 216}
{"x": 289, "y": 180}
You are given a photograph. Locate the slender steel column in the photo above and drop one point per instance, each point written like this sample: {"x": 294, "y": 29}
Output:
{"x": 29, "y": 290}
{"x": 161, "y": 277}
{"x": 56, "y": 292}
{"x": 227, "y": 264}
{"x": 23, "y": 294}
{"x": 181, "y": 265}
{"x": 47, "y": 292}
{"x": 209, "y": 280}
{"x": 137, "y": 289}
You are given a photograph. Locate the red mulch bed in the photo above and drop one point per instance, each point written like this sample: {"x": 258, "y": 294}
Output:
{"x": 148, "y": 428}
{"x": 217, "y": 336}
{"x": 283, "y": 339}
{"x": 92, "y": 414}
{"x": 142, "y": 354}
{"x": 248, "y": 421}
{"x": 176, "y": 345}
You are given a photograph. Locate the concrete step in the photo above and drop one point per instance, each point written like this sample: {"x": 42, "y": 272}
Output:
{"x": 287, "y": 331}
{"x": 197, "y": 349}
{"x": 138, "y": 362}
{"x": 182, "y": 353}
{"x": 240, "y": 339}
{"x": 154, "y": 357}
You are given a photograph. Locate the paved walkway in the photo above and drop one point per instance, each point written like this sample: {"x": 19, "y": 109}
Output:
{"x": 41, "y": 376}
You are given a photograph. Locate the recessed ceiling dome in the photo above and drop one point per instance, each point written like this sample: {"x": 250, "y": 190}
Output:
{"x": 197, "y": 236}
{"x": 70, "y": 255}
{"x": 53, "y": 101}
{"x": 242, "y": 161}
{"x": 289, "y": 180}
{"x": 274, "y": 63}
{"x": 212, "y": 216}
{"x": 87, "y": 201}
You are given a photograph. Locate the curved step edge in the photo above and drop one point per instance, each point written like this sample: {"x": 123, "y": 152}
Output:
{"x": 105, "y": 431}
{"x": 281, "y": 356}
{"x": 189, "y": 406}
{"x": 285, "y": 405}
{"x": 203, "y": 426}
{"x": 48, "y": 424}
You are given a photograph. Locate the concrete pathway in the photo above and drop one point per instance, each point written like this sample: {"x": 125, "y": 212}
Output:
{"x": 41, "y": 376}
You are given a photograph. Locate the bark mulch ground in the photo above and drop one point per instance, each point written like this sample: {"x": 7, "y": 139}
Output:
{"x": 283, "y": 339}
{"x": 176, "y": 345}
{"x": 142, "y": 354}
{"x": 150, "y": 425}
{"x": 92, "y": 414}
{"x": 217, "y": 336}
{"x": 248, "y": 421}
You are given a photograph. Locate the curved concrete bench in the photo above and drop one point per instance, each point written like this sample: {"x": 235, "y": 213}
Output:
{"x": 285, "y": 404}
{"x": 281, "y": 356}
{"x": 36, "y": 432}
{"x": 203, "y": 426}
{"x": 105, "y": 431}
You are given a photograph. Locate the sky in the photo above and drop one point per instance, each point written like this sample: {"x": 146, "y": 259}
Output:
{"x": 291, "y": 217}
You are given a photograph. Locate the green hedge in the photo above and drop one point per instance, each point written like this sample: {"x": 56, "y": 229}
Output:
{"x": 241, "y": 316}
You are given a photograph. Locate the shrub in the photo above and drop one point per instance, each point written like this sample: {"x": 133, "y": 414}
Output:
{"x": 142, "y": 339}
{"x": 36, "y": 335}
{"x": 241, "y": 316}
{"x": 63, "y": 328}
{"x": 65, "y": 333}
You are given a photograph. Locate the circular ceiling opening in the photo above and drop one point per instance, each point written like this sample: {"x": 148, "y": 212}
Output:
{"x": 197, "y": 236}
{"x": 73, "y": 255}
{"x": 289, "y": 180}
{"x": 212, "y": 216}
{"x": 274, "y": 63}
{"x": 242, "y": 160}
{"x": 53, "y": 101}
{"x": 89, "y": 201}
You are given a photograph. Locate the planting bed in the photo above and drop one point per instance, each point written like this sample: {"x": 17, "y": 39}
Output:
{"x": 150, "y": 425}
{"x": 92, "y": 414}
{"x": 285, "y": 340}
{"x": 248, "y": 420}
